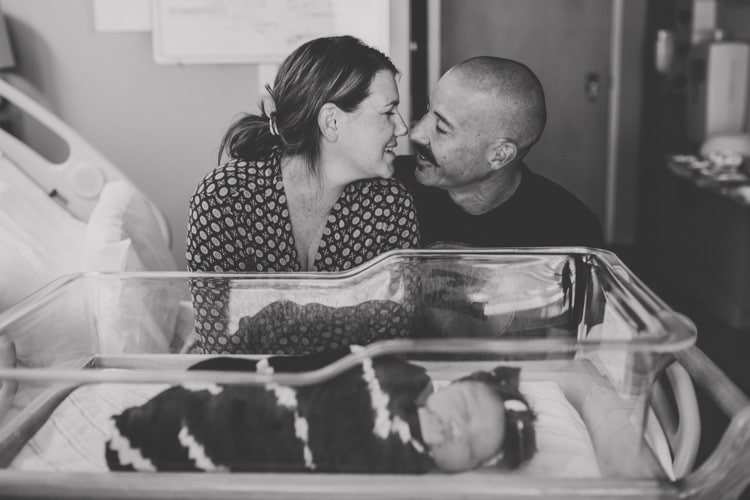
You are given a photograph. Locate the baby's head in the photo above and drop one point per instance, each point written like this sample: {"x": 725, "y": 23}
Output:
{"x": 479, "y": 419}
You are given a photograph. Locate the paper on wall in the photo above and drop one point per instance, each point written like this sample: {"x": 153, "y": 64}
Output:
{"x": 259, "y": 31}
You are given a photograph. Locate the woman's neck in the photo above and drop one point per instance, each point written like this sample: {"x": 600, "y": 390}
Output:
{"x": 309, "y": 199}
{"x": 313, "y": 185}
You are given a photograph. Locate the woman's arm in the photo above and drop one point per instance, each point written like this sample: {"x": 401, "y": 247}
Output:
{"x": 216, "y": 239}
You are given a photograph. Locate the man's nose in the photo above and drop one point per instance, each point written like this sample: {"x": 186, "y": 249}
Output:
{"x": 417, "y": 132}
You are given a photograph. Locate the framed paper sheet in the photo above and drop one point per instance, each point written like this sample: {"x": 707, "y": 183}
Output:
{"x": 259, "y": 31}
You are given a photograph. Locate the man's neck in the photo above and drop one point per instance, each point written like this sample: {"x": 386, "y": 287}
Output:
{"x": 489, "y": 193}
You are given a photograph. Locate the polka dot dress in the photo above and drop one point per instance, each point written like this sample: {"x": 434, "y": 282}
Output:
{"x": 284, "y": 327}
{"x": 239, "y": 221}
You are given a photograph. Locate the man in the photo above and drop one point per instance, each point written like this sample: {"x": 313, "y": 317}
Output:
{"x": 470, "y": 182}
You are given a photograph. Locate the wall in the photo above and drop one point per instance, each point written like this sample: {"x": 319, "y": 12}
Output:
{"x": 734, "y": 17}
{"x": 596, "y": 160}
{"x": 627, "y": 159}
{"x": 161, "y": 124}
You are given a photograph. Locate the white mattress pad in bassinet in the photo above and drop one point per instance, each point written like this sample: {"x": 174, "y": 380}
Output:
{"x": 73, "y": 437}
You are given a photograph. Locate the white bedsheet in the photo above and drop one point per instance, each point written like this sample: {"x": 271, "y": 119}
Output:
{"x": 73, "y": 438}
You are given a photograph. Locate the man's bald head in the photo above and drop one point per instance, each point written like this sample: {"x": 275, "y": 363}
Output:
{"x": 516, "y": 108}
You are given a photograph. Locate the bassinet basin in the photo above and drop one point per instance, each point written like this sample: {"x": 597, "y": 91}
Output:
{"x": 605, "y": 364}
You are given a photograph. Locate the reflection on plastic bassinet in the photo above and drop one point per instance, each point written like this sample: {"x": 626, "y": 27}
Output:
{"x": 592, "y": 343}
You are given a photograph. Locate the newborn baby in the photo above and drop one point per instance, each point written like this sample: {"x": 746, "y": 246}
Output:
{"x": 377, "y": 417}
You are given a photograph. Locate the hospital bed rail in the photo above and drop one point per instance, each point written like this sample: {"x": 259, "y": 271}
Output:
{"x": 75, "y": 182}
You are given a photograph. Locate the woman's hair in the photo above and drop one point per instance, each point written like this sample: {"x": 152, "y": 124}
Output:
{"x": 335, "y": 70}
{"x": 519, "y": 443}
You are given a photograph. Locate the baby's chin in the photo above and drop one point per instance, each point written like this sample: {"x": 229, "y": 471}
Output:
{"x": 447, "y": 462}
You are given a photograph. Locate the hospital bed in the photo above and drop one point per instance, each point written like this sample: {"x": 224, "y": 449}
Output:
{"x": 97, "y": 340}
{"x": 80, "y": 213}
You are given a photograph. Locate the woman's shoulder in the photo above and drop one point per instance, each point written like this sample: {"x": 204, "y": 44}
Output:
{"x": 236, "y": 177}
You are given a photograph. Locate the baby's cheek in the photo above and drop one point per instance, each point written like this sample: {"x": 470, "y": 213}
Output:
{"x": 488, "y": 444}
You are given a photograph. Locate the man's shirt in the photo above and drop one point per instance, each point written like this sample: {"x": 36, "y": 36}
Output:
{"x": 539, "y": 213}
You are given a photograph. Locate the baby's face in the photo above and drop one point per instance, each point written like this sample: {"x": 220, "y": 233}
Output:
{"x": 463, "y": 424}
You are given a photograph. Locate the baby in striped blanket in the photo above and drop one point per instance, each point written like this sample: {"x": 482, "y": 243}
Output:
{"x": 379, "y": 416}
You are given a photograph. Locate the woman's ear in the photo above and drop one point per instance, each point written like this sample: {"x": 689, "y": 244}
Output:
{"x": 502, "y": 153}
{"x": 328, "y": 121}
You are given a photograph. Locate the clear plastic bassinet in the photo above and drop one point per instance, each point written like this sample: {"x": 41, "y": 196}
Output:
{"x": 595, "y": 347}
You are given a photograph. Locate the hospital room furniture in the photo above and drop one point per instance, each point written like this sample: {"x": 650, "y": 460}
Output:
{"x": 704, "y": 243}
{"x": 91, "y": 344}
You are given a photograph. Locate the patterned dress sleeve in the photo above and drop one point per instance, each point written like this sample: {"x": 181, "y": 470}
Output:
{"x": 400, "y": 226}
{"x": 400, "y": 230}
{"x": 216, "y": 239}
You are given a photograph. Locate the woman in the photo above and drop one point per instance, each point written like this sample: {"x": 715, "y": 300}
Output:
{"x": 308, "y": 183}
{"x": 298, "y": 192}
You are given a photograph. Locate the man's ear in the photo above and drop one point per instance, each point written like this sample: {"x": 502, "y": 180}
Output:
{"x": 328, "y": 121}
{"x": 503, "y": 153}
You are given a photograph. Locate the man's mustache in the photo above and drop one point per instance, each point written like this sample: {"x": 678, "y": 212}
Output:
{"x": 425, "y": 152}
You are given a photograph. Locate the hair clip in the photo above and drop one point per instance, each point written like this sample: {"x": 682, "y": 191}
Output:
{"x": 272, "y": 124}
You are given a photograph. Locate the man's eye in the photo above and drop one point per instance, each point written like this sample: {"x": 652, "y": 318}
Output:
{"x": 440, "y": 130}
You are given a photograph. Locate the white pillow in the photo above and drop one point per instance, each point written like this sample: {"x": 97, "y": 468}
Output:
{"x": 41, "y": 241}
{"x": 123, "y": 233}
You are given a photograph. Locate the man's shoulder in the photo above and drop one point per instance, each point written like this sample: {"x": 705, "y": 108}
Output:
{"x": 560, "y": 210}
{"x": 536, "y": 186}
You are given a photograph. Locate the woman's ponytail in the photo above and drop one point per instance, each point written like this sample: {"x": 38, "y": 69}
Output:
{"x": 253, "y": 137}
